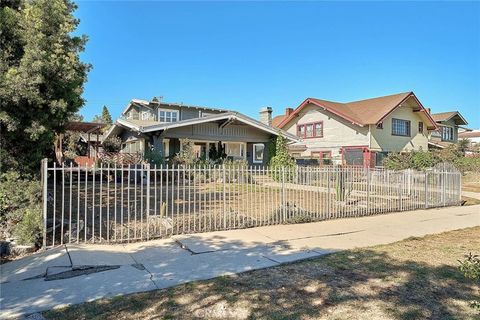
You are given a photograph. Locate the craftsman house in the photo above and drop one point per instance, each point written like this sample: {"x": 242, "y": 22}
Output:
{"x": 358, "y": 132}
{"x": 448, "y": 125}
{"x": 157, "y": 125}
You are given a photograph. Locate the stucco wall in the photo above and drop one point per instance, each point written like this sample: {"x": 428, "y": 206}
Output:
{"x": 382, "y": 139}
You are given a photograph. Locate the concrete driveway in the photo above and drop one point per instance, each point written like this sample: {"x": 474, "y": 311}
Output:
{"x": 77, "y": 273}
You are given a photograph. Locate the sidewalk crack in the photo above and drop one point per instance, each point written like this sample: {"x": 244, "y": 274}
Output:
{"x": 145, "y": 268}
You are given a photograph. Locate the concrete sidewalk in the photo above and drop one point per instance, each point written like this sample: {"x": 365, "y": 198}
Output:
{"x": 77, "y": 273}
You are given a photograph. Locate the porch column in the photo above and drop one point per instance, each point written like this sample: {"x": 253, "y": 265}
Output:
{"x": 207, "y": 150}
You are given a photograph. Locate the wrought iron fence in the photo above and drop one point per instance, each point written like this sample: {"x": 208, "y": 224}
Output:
{"x": 141, "y": 202}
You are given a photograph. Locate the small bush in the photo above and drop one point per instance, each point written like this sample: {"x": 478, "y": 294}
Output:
{"x": 470, "y": 267}
{"x": 282, "y": 160}
{"x": 29, "y": 230}
{"x": 112, "y": 144}
{"x": 467, "y": 164}
{"x": 187, "y": 156}
{"x": 18, "y": 196}
{"x": 418, "y": 160}
{"x": 154, "y": 157}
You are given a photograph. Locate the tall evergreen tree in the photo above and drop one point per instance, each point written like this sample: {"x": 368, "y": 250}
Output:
{"x": 41, "y": 78}
{"x": 106, "y": 117}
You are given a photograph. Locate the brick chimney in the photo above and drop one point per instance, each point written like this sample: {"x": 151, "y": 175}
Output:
{"x": 266, "y": 115}
{"x": 288, "y": 111}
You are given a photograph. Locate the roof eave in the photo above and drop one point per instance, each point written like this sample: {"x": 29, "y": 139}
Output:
{"x": 313, "y": 101}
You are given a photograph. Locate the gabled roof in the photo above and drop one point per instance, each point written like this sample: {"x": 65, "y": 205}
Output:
{"x": 363, "y": 112}
{"x": 445, "y": 116}
{"x": 227, "y": 116}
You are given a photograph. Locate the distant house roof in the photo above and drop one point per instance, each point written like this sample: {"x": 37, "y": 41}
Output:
{"x": 445, "y": 116}
{"x": 364, "y": 112}
{"x": 277, "y": 120}
{"x": 85, "y": 127}
{"x": 151, "y": 126}
{"x": 470, "y": 134}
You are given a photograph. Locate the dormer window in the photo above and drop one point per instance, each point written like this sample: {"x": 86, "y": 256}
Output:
{"x": 168, "y": 115}
{"x": 145, "y": 115}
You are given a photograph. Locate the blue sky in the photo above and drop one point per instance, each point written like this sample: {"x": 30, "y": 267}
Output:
{"x": 245, "y": 55}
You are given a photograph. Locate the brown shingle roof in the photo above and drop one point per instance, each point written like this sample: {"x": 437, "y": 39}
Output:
{"x": 443, "y": 116}
{"x": 277, "y": 120}
{"x": 471, "y": 134}
{"x": 363, "y": 112}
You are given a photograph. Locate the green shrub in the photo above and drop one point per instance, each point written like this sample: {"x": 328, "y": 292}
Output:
{"x": 467, "y": 164}
{"x": 470, "y": 267}
{"x": 418, "y": 160}
{"x": 112, "y": 144}
{"x": 187, "y": 156}
{"x": 29, "y": 230}
{"x": 282, "y": 160}
{"x": 18, "y": 196}
{"x": 154, "y": 157}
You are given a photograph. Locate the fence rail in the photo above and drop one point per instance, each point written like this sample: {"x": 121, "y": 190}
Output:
{"x": 141, "y": 202}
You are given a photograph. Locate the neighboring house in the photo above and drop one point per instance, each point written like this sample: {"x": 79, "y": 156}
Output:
{"x": 358, "y": 132}
{"x": 448, "y": 127}
{"x": 159, "y": 126}
{"x": 472, "y": 135}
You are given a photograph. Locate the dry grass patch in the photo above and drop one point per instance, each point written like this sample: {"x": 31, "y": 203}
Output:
{"x": 471, "y": 182}
{"x": 417, "y": 278}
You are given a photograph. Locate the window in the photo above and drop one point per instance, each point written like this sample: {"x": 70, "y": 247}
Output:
{"x": 380, "y": 125}
{"x": 420, "y": 127}
{"x": 447, "y": 133}
{"x": 300, "y": 131}
{"x": 310, "y": 130}
{"x": 145, "y": 115}
{"x": 325, "y": 157}
{"x": 168, "y": 115}
{"x": 234, "y": 149}
{"x": 353, "y": 157}
{"x": 400, "y": 127}
{"x": 318, "y": 131}
{"x": 258, "y": 153}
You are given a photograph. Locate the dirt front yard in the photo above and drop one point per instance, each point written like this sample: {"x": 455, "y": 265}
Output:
{"x": 417, "y": 278}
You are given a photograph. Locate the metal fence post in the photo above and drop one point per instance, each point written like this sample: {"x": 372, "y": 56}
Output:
{"x": 368, "y": 190}
{"x": 44, "y": 181}
{"x": 224, "y": 198}
{"x": 148, "y": 201}
{"x": 426, "y": 190}
{"x": 283, "y": 195}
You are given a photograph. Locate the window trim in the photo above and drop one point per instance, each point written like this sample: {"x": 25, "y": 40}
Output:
{"x": 314, "y": 130}
{"x": 408, "y": 134}
{"x": 166, "y": 147}
{"x": 253, "y": 152}
{"x": 168, "y": 110}
{"x": 453, "y": 133}
{"x": 420, "y": 127}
